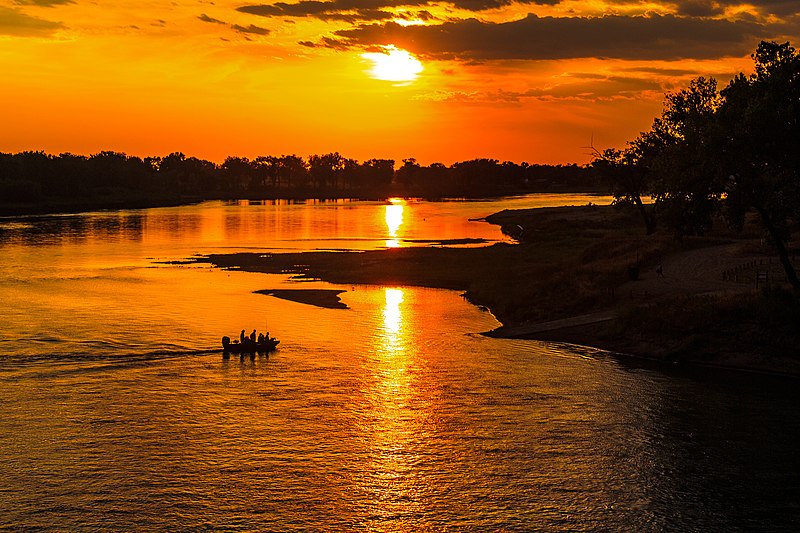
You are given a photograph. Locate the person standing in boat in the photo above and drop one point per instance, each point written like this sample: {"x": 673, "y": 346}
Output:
{"x": 253, "y": 336}
{"x": 260, "y": 338}
{"x": 241, "y": 337}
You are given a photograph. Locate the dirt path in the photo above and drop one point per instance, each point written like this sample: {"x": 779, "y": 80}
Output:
{"x": 692, "y": 272}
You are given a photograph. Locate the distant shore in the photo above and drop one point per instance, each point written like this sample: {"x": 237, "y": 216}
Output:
{"x": 134, "y": 200}
{"x": 568, "y": 280}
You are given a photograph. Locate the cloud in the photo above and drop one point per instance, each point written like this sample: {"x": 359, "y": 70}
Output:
{"x": 18, "y": 24}
{"x": 376, "y": 10}
{"x": 251, "y": 29}
{"x": 206, "y": 18}
{"x": 671, "y": 72}
{"x": 43, "y": 3}
{"x": 325, "y": 42}
{"x": 354, "y": 10}
{"x": 656, "y": 37}
{"x": 586, "y": 87}
{"x": 710, "y": 8}
{"x": 346, "y": 10}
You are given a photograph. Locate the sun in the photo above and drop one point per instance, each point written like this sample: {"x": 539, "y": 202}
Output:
{"x": 393, "y": 64}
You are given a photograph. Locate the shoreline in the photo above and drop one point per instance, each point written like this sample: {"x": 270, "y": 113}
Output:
{"x": 66, "y": 205}
{"x": 570, "y": 265}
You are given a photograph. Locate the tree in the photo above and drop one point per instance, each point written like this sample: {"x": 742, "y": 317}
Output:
{"x": 325, "y": 170}
{"x": 239, "y": 172}
{"x": 376, "y": 174}
{"x": 408, "y": 174}
{"x": 293, "y": 170}
{"x": 628, "y": 178}
{"x": 670, "y": 163}
{"x": 760, "y": 117}
{"x": 738, "y": 150}
{"x": 267, "y": 171}
{"x": 686, "y": 186}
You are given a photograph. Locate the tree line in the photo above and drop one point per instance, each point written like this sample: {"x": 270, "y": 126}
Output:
{"x": 720, "y": 154}
{"x": 34, "y": 176}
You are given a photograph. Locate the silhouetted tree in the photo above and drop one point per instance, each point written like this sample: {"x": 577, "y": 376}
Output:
{"x": 686, "y": 185}
{"x": 293, "y": 171}
{"x": 376, "y": 174}
{"x": 670, "y": 163}
{"x": 239, "y": 173}
{"x": 739, "y": 150}
{"x": 628, "y": 177}
{"x": 760, "y": 120}
{"x": 326, "y": 170}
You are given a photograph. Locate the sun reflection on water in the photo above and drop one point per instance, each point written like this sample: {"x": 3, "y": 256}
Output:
{"x": 394, "y": 219}
{"x": 398, "y": 415}
{"x": 392, "y": 317}
{"x": 392, "y": 349}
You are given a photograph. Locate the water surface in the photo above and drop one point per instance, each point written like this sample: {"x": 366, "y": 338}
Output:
{"x": 118, "y": 413}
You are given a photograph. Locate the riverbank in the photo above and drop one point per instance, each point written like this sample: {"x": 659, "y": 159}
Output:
{"x": 82, "y": 205}
{"x": 691, "y": 302}
{"x": 129, "y": 199}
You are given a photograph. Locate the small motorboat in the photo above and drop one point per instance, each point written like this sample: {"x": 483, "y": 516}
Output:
{"x": 248, "y": 346}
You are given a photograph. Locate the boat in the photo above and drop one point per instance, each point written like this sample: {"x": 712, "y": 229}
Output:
{"x": 248, "y": 346}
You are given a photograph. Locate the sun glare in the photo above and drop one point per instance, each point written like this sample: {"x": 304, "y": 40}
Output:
{"x": 393, "y": 64}
{"x": 407, "y": 22}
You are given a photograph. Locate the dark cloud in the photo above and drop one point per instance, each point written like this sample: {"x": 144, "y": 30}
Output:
{"x": 671, "y": 72}
{"x": 710, "y": 8}
{"x": 700, "y": 8}
{"x": 542, "y": 38}
{"x": 206, "y": 18}
{"x": 367, "y": 9}
{"x": 345, "y": 10}
{"x": 251, "y": 29}
{"x": 325, "y": 42}
{"x": 16, "y": 23}
{"x": 43, "y": 3}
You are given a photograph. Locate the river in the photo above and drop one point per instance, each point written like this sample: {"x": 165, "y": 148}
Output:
{"x": 118, "y": 413}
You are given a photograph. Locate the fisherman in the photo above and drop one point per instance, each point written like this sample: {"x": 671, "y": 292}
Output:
{"x": 260, "y": 338}
{"x": 253, "y": 336}
{"x": 241, "y": 337}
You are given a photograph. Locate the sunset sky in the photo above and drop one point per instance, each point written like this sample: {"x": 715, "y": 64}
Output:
{"x": 536, "y": 80}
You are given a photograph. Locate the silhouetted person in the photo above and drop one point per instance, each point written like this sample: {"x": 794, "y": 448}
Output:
{"x": 253, "y": 336}
{"x": 260, "y": 338}
{"x": 660, "y": 271}
{"x": 241, "y": 337}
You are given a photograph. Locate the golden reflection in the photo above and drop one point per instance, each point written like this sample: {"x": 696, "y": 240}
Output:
{"x": 392, "y": 317}
{"x": 394, "y": 219}
{"x": 397, "y": 414}
{"x": 392, "y": 348}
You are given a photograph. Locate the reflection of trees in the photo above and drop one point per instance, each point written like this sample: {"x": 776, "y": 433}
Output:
{"x": 109, "y": 226}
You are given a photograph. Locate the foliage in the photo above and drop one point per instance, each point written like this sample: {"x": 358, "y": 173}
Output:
{"x": 732, "y": 152}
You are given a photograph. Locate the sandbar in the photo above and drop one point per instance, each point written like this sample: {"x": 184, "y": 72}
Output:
{"x": 327, "y": 298}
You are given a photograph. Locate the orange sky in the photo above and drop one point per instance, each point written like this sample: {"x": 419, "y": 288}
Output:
{"x": 533, "y": 81}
